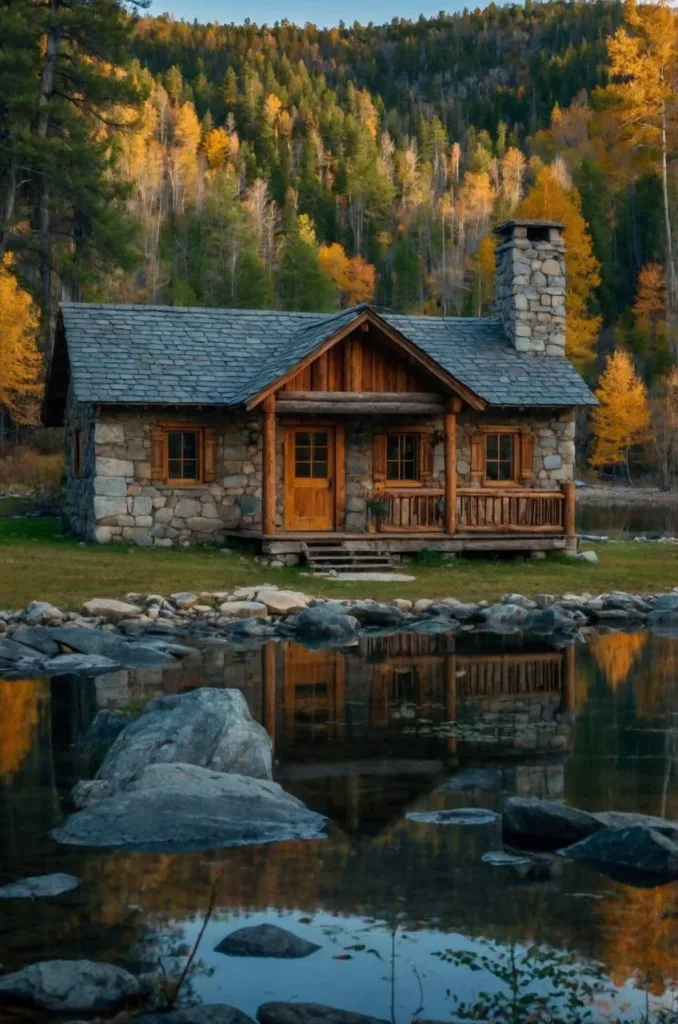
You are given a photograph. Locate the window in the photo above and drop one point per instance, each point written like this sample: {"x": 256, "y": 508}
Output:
{"x": 499, "y": 457}
{"x": 311, "y": 454}
{"x": 76, "y": 452}
{"x": 402, "y": 456}
{"x": 183, "y": 454}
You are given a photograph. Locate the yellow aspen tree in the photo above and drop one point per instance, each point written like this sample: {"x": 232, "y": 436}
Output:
{"x": 513, "y": 166}
{"x": 548, "y": 200}
{"x": 216, "y": 147}
{"x": 483, "y": 265}
{"x": 649, "y": 305}
{"x": 622, "y": 419}
{"x": 20, "y": 362}
{"x": 354, "y": 277}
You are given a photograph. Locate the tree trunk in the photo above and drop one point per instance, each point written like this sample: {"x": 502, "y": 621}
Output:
{"x": 47, "y": 77}
{"x": 8, "y": 207}
{"x": 672, "y": 303}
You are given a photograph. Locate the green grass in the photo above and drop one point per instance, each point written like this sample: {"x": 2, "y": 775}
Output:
{"x": 36, "y": 563}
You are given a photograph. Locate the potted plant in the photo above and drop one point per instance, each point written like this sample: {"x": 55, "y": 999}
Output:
{"x": 378, "y": 509}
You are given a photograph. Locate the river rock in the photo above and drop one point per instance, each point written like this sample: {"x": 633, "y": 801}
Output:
{"x": 206, "y": 727}
{"x": 39, "y": 638}
{"x": 266, "y": 940}
{"x": 80, "y": 664}
{"x": 205, "y": 1014}
{"x": 109, "y": 608}
{"x": 242, "y": 609}
{"x": 39, "y": 886}
{"x": 101, "y": 735}
{"x": 547, "y": 621}
{"x": 283, "y": 602}
{"x": 248, "y": 629}
{"x": 310, "y": 1013}
{"x": 433, "y": 625}
{"x": 10, "y": 650}
{"x": 462, "y": 816}
{"x": 465, "y": 612}
{"x": 625, "y": 819}
{"x": 42, "y": 611}
{"x": 177, "y": 807}
{"x": 371, "y": 613}
{"x": 636, "y": 856}
{"x": 67, "y": 986}
{"x": 324, "y": 622}
{"x": 126, "y": 653}
{"x": 504, "y": 618}
{"x": 547, "y": 822}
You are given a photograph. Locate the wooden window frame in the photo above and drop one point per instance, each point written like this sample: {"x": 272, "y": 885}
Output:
{"x": 523, "y": 457}
{"x": 206, "y": 452}
{"x": 424, "y": 457}
{"x": 76, "y": 453}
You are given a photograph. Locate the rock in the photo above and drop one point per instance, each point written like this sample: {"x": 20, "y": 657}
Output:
{"x": 585, "y": 556}
{"x": 10, "y": 650}
{"x": 371, "y": 613}
{"x": 283, "y": 602}
{"x": 80, "y": 664}
{"x": 248, "y": 629}
{"x": 83, "y": 639}
{"x": 461, "y": 816}
{"x": 68, "y": 986}
{"x": 205, "y": 1014}
{"x": 502, "y": 859}
{"x": 39, "y": 638}
{"x": 421, "y": 606}
{"x": 519, "y": 599}
{"x": 206, "y": 727}
{"x": 101, "y": 735}
{"x": 243, "y": 609}
{"x": 402, "y": 604}
{"x": 324, "y": 623}
{"x": 266, "y": 940}
{"x": 547, "y": 822}
{"x": 504, "y": 618}
{"x": 39, "y": 886}
{"x": 42, "y": 611}
{"x": 440, "y": 609}
{"x": 109, "y": 608}
{"x": 184, "y": 599}
{"x": 636, "y": 856}
{"x": 547, "y": 621}
{"x": 125, "y": 653}
{"x": 625, "y": 819}
{"x": 465, "y": 612}
{"x": 433, "y": 625}
{"x": 310, "y": 1013}
{"x": 177, "y": 807}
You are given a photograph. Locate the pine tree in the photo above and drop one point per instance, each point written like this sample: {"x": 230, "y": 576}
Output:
{"x": 302, "y": 285}
{"x": 622, "y": 419}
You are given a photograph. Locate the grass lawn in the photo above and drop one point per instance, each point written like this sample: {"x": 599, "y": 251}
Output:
{"x": 38, "y": 564}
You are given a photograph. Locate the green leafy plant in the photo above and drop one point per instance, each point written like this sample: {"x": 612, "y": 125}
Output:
{"x": 378, "y": 509}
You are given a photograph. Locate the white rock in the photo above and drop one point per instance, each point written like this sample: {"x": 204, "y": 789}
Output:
{"x": 69, "y": 986}
{"x": 114, "y": 467}
{"x": 402, "y": 604}
{"x": 283, "y": 602}
{"x": 109, "y": 608}
{"x": 109, "y": 433}
{"x": 422, "y": 605}
{"x": 243, "y": 609}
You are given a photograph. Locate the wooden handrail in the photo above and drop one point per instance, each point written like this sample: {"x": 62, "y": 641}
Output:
{"x": 509, "y": 492}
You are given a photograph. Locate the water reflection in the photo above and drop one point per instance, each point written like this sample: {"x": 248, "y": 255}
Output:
{"x": 365, "y": 735}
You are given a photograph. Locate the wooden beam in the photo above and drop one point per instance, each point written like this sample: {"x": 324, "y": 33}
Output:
{"x": 268, "y": 483}
{"x": 361, "y": 408}
{"x": 373, "y": 397}
{"x": 450, "y": 469}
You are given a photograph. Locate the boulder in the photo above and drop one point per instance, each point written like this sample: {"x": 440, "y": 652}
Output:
{"x": 206, "y": 727}
{"x": 266, "y": 940}
{"x": 68, "y": 986}
{"x": 39, "y": 638}
{"x": 42, "y": 611}
{"x": 184, "y": 599}
{"x": 466, "y": 612}
{"x": 371, "y": 613}
{"x": 547, "y": 822}
{"x": 637, "y": 855}
{"x": 39, "y": 886}
{"x": 324, "y": 622}
{"x": 177, "y": 807}
{"x": 461, "y": 816}
{"x": 625, "y": 819}
{"x": 109, "y": 608}
{"x": 436, "y": 624}
{"x": 248, "y": 629}
{"x": 283, "y": 602}
{"x": 83, "y": 639}
{"x": 208, "y": 1013}
{"x": 504, "y": 618}
{"x": 549, "y": 621}
{"x": 310, "y": 1013}
{"x": 519, "y": 599}
{"x": 126, "y": 653}
{"x": 10, "y": 650}
{"x": 242, "y": 609}
{"x": 80, "y": 664}
{"x": 101, "y": 735}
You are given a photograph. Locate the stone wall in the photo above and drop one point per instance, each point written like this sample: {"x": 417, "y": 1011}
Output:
{"x": 80, "y": 488}
{"x": 530, "y": 286}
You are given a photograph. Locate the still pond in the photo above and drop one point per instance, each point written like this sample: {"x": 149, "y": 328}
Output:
{"x": 368, "y": 735}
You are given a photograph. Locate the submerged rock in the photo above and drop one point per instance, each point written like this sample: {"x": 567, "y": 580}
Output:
{"x": 503, "y": 859}
{"x": 68, "y": 986}
{"x": 266, "y": 940}
{"x": 461, "y": 816}
{"x": 636, "y": 856}
{"x": 310, "y": 1013}
{"x": 205, "y": 1014}
{"x": 186, "y": 807}
{"x": 547, "y": 822}
{"x": 625, "y": 819}
{"x": 39, "y": 886}
{"x": 101, "y": 735}
{"x": 80, "y": 664}
{"x": 206, "y": 727}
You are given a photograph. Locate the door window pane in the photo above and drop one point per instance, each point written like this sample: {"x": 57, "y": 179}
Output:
{"x": 311, "y": 454}
{"x": 402, "y": 461}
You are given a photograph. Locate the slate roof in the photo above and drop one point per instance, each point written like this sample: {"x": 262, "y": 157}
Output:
{"x": 171, "y": 355}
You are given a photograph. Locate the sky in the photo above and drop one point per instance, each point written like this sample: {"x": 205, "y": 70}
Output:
{"x": 300, "y": 11}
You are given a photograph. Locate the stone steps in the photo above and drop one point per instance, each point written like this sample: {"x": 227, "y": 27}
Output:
{"x": 332, "y": 557}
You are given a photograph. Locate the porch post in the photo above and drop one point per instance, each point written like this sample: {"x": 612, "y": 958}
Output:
{"x": 451, "y": 465}
{"x": 268, "y": 653}
{"x": 569, "y": 524}
{"x": 268, "y": 467}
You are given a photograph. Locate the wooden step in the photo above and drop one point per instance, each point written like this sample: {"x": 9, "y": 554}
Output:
{"x": 333, "y": 556}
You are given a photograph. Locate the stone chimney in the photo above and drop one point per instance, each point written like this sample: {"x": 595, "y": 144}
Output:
{"x": 530, "y": 285}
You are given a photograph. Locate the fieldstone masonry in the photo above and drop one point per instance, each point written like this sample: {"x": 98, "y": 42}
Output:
{"x": 530, "y": 285}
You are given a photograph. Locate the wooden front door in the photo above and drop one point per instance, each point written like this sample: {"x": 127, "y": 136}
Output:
{"x": 314, "y": 694}
{"x": 310, "y": 471}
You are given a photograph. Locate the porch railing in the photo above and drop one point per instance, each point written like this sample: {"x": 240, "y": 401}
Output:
{"x": 477, "y": 509}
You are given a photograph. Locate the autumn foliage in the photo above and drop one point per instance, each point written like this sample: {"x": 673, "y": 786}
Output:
{"x": 354, "y": 277}
{"x": 622, "y": 419}
{"x": 20, "y": 362}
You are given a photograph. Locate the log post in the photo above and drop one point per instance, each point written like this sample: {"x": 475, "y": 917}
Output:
{"x": 451, "y": 465}
{"x": 268, "y": 475}
{"x": 569, "y": 671}
{"x": 570, "y": 529}
{"x": 268, "y": 653}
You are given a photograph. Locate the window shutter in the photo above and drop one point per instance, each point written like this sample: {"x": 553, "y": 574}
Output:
{"x": 425, "y": 456}
{"x": 526, "y": 456}
{"x": 379, "y": 457}
{"x": 477, "y": 457}
{"x": 209, "y": 472}
{"x": 158, "y": 455}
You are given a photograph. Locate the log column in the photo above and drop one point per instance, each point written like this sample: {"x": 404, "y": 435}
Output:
{"x": 268, "y": 655}
{"x": 570, "y": 528}
{"x": 268, "y": 469}
{"x": 451, "y": 411}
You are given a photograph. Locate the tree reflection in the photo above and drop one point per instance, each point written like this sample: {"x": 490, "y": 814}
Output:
{"x": 21, "y": 704}
{"x": 615, "y": 655}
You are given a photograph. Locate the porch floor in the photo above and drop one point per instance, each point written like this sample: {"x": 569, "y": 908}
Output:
{"x": 293, "y": 541}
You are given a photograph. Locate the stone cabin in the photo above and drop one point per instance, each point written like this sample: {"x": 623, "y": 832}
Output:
{"x": 357, "y": 431}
